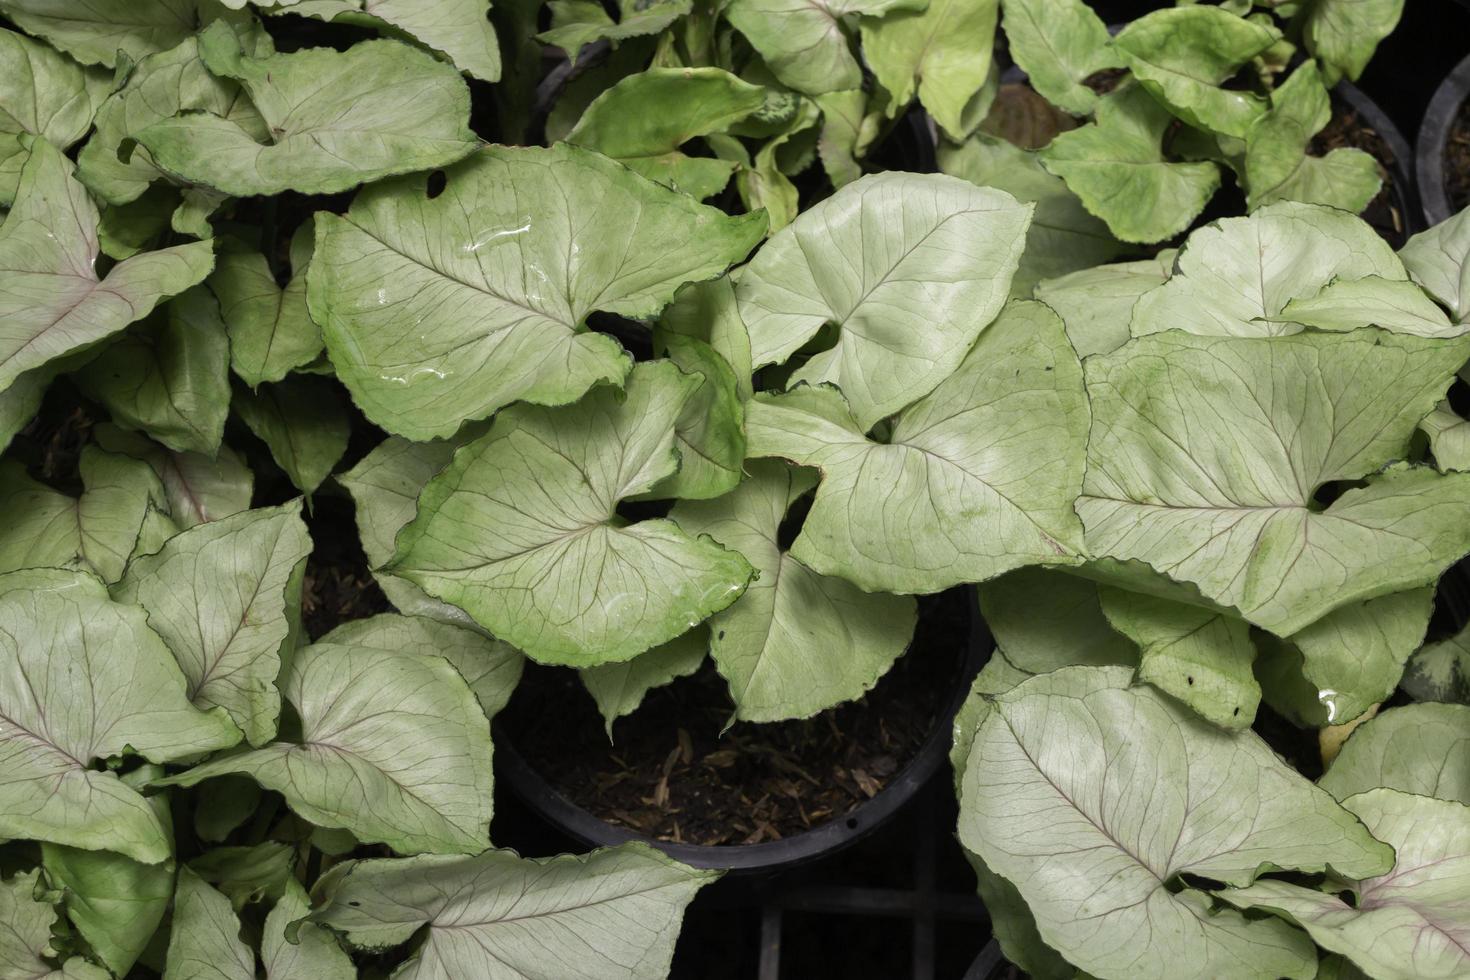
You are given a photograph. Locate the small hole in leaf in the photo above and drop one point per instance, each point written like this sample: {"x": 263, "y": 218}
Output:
{"x": 721, "y": 636}
{"x": 1235, "y": 712}
{"x": 436, "y": 184}
{"x": 852, "y": 823}
{"x": 1191, "y": 680}
{"x": 355, "y": 904}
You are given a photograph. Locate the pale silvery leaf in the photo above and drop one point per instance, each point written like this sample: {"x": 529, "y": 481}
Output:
{"x": 25, "y": 935}
{"x": 619, "y": 689}
{"x": 1394, "y": 304}
{"x": 1059, "y": 44}
{"x": 1090, "y": 797}
{"x": 942, "y": 53}
{"x": 1116, "y": 166}
{"x": 1043, "y": 619}
{"x": 1337, "y": 668}
{"x": 459, "y": 29}
{"x": 311, "y": 953}
{"x": 94, "y": 31}
{"x": 1440, "y": 671}
{"x": 437, "y": 310}
{"x": 198, "y": 489}
{"x": 99, "y": 529}
{"x": 1343, "y": 34}
{"x": 205, "y": 939}
{"x": 1412, "y": 923}
{"x": 116, "y": 903}
{"x": 845, "y": 134}
{"x": 521, "y": 530}
{"x": 44, "y": 94}
{"x": 491, "y": 668}
{"x": 1201, "y": 467}
{"x": 1439, "y": 260}
{"x": 1277, "y": 167}
{"x": 20, "y": 402}
{"x": 709, "y": 311}
{"x": 1237, "y": 275}
{"x": 1097, "y": 304}
{"x": 336, "y": 119}
{"x": 217, "y": 594}
{"x": 52, "y": 302}
{"x": 393, "y": 747}
{"x": 158, "y": 87}
{"x": 1417, "y": 748}
{"x": 710, "y": 430}
{"x": 1199, "y": 656}
{"x": 610, "y": 915}
{"x": 1181, "y": 55}
{"x": 575, "y": 23}
{"x": 271, "y": 332}
{"x": 303, "y": 420}
{"x": 385, "y": 488}
{"x": 86, "y": 679}
{"x": 247, "y": 874}
{"x": 910, "y": 267}
{"x": 762, "y": 181}
{"x": 977, "y": 478}
{"x": 797, "y": 642}
{"x": 1063, "y": 237}
{"x": 643, "y": 120}
{"x": 168, "y": 376}
{"x": 804, "y": 43}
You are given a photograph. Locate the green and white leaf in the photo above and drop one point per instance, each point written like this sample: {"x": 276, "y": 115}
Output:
{"x": 1201, "y": 465}
{"x": 610, "y": 915}
{"x": 52, "y": 301}
{"x": 1439, "y": 260}
{"x": 909, "y": 267}
{"x": 271, "y": 331}
{"x": 521, "y": 529}
{"x": 1277, "y": 166}
{"x": 1394, "y": 304}
{"x": 942, "y": 53}
{"x": 44, "y": 94}
{"x": 797, "y": 642}
{"x": 168, "y": 376}
{"x": 1091, "y": 797}
{"x": 429, "y": 314}
{"x": 197, "y": 489}
{"x": 88, "y": 680}
{"x": 643, "y": 119}
{"x": 218, "y": 595}
{"x": 310, "y": 953}
{"x": 1060, "y": 44}
{"x": 25, "y": 935}
{"x": 1097, "y": 304}
{"x": 1409, "y": 924}
{"x": 1063, "y": 237}
{"x": 303, "y": 420}
{"x": 1417, "y": 748}
{"x": 205, "y": 939}
{"x": 975, "y": 479}
{"x": 458, "y": 29}
{"x": 336, "y": 119}
{"x": 1440, "y": 671}
{"x": 1182, "y": 55}
{"x": 1117, "y": 168}
{"x": 804, "y": 43}
{"x": 393, "y": 747}
{"x": 620, "y": 688}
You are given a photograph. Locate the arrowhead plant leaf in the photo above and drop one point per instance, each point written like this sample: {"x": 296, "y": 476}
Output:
{"x": 393, "y": 747}
{"x": 1093, "y": 798}
{"x": 1060, "y": 44}
{"x": 1439, "y": 260}
{"x": 52, "y": 301}
{"x": 305, "y": 423}
{"x": 432, "y": 312}
{"x": 1416, "y": 748}
{"x": 197, "y": 488}
{"x": 577, "y": 23}
{"x": 521, "y": 529}
{"x": 271, "y": 332}
{"x": 94, "y": 31}
{"x": 46, "y": 95}
{"x": 1440, "y": 671}
{"x": 205, "y": 937}
{"x": 496, "y": 914}
{"x": 620, "y": 688}
{"x": 460, "y": 29}
{"x": 910, "y": 268}
{"x": 976, "y": 478}
{"x": 25, "y": 934}
{"x": 1097, "y": 304}
{"x": 335, "y": 119}
{"x": 942, "y": 53}
{"x": 804, "y": 44}
{"x": 1343, "y": 34}
{"x": 314, "y": 953}
{"x": 797, "y": 642}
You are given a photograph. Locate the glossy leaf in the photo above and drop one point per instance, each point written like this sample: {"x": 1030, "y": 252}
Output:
{"x": 1060, "y": 44}
{"x": 975, "y": 479}
{"x": 429, "y": 319}
{"x": 393, "y": 748}
{"x": 305, "y": 423}
{"x": 218, "y": 595}
{"x": 336, "y": 119}
{"x": 609, "y": 915}
{"x": 797, "y": 642}
{"x": 909, "y": 267}
{"x": 520, "y": 530}
{"x": 88, "y": 680}
{"x": 1416, "y": 748}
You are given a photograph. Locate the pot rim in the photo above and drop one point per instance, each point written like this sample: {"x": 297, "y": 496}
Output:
{"x": 768, "y": 856}
{"x": 1434, "y": 135}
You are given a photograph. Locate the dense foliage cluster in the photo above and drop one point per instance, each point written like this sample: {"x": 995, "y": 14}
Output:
{"x": 661, "y": 356}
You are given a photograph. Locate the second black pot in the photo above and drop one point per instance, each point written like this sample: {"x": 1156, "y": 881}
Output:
{"x": 1434, "y": 138}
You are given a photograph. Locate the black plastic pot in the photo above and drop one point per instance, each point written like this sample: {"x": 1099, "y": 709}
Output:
{"x": 1434, "y": 137}
{"x": 771, "y": 856}
{"x": 1403, "y": 187}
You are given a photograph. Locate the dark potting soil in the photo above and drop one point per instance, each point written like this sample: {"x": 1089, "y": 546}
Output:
{"x": 338, "y": 586}
{"x": 1457, "y": 160}
{"x": 672, "y": 775}
{"x": 1348, "y": 129}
